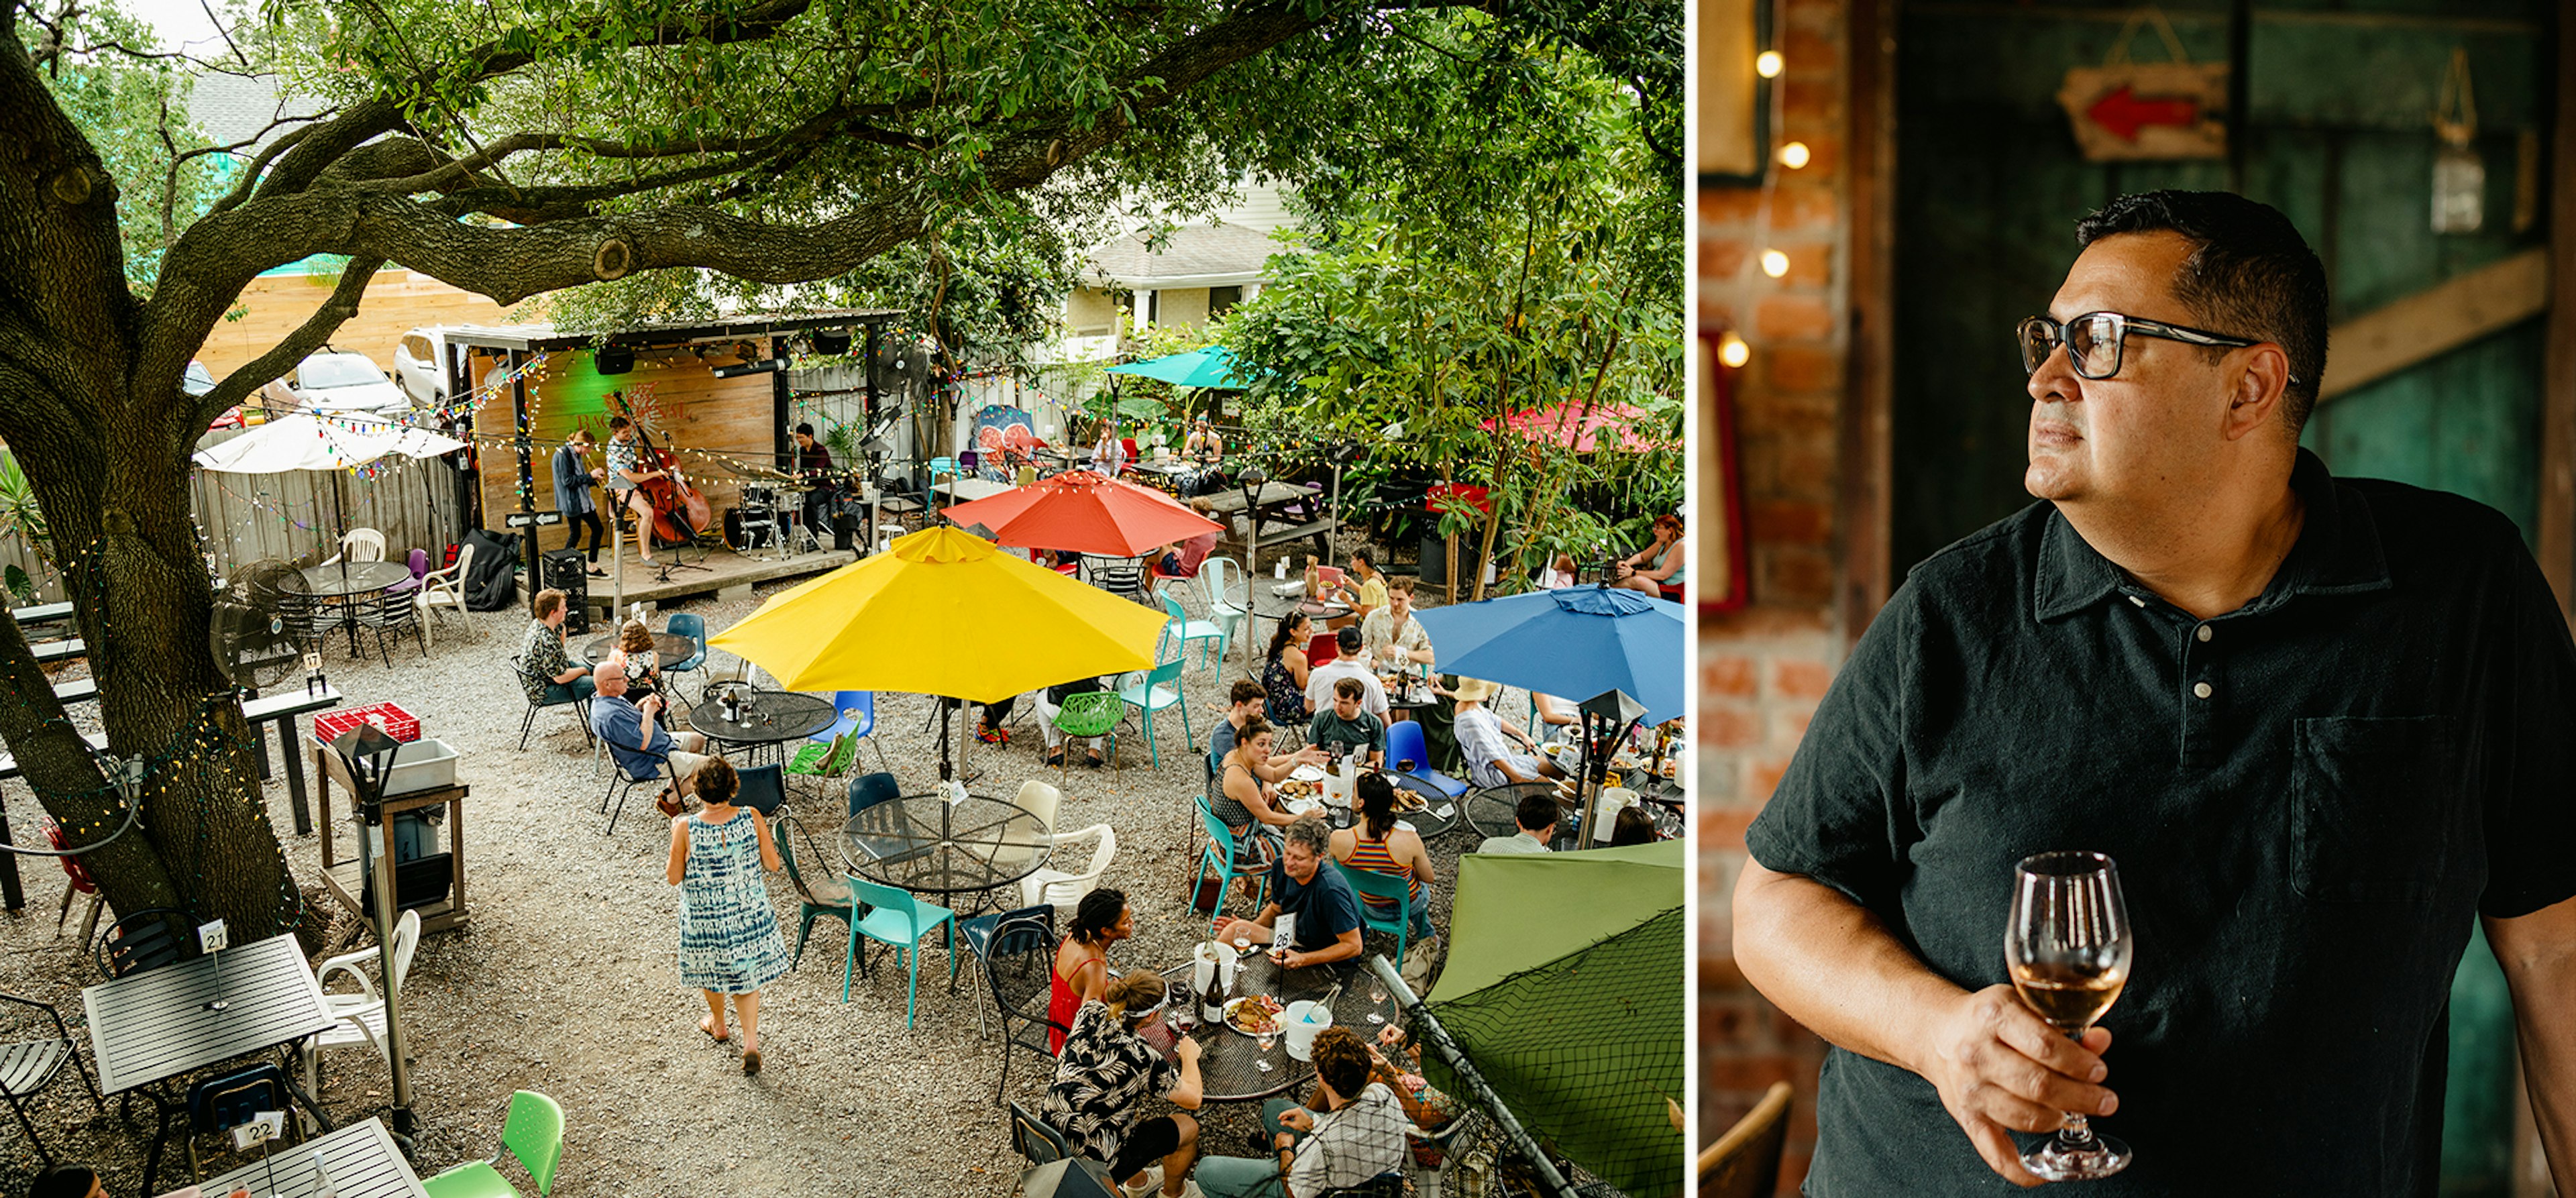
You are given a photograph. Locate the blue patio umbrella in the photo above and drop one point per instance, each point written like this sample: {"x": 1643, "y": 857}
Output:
{"x": 1213, "y": 366}
{"x": 1576, "y": 643}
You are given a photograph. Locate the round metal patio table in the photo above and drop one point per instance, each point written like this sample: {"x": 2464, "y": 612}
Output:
{"x": 354, "y": 578}
{"x": 767, "y": 718}
{"x": 1492, "y": 810}
{"x": 1230, "y": 1061}
{"x": 669, "y": 650}
{"x": 927, "y": 845}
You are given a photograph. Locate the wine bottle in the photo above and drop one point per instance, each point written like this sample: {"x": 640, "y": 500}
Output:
{"x": 1212, "y": 1003}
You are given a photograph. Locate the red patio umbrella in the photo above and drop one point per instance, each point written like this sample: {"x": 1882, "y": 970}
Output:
{"x": 1084, "y": 512}
{"x": 1568, "y": 424}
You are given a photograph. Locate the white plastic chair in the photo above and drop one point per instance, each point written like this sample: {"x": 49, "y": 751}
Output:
{"x": 1066, "y": 890}
{"x": 1042, "y": 800}
{"x": 363, "y": 545}
{"x": 1219, "y": 581}
{"x": 361, "y": 1015}
{"x": 444, "y": 588}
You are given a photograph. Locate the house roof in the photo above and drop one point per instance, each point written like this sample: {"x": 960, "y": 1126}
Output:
{"x": 1211, "y": 255}
{"x": 232, "y": 108}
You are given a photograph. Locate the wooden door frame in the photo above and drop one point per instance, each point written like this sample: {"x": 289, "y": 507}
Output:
{"x": 1867, "y": 432}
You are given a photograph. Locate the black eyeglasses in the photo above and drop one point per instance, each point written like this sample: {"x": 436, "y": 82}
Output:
{"x": 2094, "y": 341}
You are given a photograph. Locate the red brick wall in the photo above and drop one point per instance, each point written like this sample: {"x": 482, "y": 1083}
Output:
{"x": 1763, "y": 668}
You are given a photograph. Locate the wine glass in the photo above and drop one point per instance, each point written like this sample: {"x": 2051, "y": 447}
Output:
{"x": 2068, "y": 947}
{"x": 1377, "y": 997}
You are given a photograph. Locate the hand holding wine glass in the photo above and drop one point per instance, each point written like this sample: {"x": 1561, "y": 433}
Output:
{"x": 2068, "y": 947}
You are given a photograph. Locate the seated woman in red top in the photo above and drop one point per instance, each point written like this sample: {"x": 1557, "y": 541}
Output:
{"x": 1082, "y": 961}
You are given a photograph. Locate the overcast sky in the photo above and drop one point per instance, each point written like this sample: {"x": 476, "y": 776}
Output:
{"x": 182, "y": 24}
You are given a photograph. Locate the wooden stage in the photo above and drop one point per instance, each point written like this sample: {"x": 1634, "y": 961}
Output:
{"x": 727, "y": 573}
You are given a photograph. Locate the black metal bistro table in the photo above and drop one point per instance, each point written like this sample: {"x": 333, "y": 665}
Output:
{"x": 927, "y": 845}
{"x": 153, "y": 1026}
{"x": 344, "y": 582}
{"x": 362, "y": 1159}
{"x": 1491, "y": 810}
{"x": 667, "y": 649}
{"x": 1230, "y": 1062}
{"x": 767, "y": 718}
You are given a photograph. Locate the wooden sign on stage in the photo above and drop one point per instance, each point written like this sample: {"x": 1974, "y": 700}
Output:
{"x": 2125, "y": 111}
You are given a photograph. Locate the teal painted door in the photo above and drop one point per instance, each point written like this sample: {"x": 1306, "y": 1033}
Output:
{"x": 2338, "y": 136}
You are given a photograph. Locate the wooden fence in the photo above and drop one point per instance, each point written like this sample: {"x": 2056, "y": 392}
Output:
{"x": 297, "y": 516}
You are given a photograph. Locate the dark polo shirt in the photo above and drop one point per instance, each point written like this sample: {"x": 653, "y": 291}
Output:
{"x": 2309, "y": 799}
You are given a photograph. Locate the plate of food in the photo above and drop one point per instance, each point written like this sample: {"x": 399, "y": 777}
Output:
{"x": 1557, "y": 751}
{"x": 1307, "y": 773}
{"x": 1296, "y": 789}
{"x": 1301, "y": 804}
{"x": 1254, "y": 1014}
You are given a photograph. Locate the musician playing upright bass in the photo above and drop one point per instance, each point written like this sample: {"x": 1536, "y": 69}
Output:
{"x": 811, "y": 463}
{"x": 625, "y": 474}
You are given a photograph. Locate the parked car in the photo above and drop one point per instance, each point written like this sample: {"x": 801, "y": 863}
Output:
{"x": 198, "y": 380}
{"x": 419, "y": 365}
{"x": 331, "y": 383}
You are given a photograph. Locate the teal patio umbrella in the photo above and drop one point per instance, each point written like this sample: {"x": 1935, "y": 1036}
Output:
{"x": 1213, "y": 366}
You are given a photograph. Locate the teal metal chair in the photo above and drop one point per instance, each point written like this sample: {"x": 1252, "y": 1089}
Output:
{"x": 1370, "y": 884}
{"x": 533, "y": 1132}
{"x": 694, "y": 627}
{"x": 1161, "y": 689}
{"x": 1091, "y": 713}
{"x": 1223, "y": 853}
{"x": 827, "y": 896}
{"x": 894, "y": 916}
{"x": 1188, "y": 630}
{"x": 1221, "y": 583}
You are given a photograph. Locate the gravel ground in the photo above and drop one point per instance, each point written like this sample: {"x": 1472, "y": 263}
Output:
{"x": 564, "y": 980}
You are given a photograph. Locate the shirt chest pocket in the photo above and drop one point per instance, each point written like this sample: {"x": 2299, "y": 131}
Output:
{"x": 2371, "y": 807}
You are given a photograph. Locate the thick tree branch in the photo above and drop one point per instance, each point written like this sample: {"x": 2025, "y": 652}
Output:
{"x": 283, "y": 356}
{"x": 259, "y": 165}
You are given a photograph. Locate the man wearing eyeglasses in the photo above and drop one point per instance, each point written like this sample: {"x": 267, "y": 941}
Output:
{"x": 2321, "y": 724}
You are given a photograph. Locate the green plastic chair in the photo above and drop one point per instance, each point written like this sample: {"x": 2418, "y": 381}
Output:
{"x": 824, "y": 761}
{"x": 1385, "y": 888}
{"x": 894, "y": 916}
{"x": 1092, "y": 713}
{"x": 1160, "y": 689}
{"x": 533, "y": 1133}
{"x": 827, "y": 896}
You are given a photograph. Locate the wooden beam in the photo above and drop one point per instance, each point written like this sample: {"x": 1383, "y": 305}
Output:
{"x": 2437, "y": 320}
{"x": 2557, "y": 531}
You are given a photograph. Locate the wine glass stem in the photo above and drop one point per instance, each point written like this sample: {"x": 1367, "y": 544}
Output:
{"x": 2074, "y": 1133}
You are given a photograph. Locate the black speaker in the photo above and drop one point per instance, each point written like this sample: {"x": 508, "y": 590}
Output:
{"x": 845, "y": 529}
{"x": 831, "y": 341}
{"x": 567, "y": 570}
{"x": 615, "y": 359}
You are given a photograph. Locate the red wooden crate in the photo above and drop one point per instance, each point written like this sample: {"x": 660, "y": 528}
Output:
{"x": 391, "y": 718}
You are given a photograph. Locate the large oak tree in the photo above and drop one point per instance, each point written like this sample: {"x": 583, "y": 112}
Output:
{"x": 522, "y": 146}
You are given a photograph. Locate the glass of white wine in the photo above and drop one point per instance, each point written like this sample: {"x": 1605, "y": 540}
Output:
{"x": 2068, "y": 947}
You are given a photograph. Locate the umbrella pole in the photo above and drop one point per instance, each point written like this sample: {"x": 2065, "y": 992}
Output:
{"x": 1474, "y": 1082}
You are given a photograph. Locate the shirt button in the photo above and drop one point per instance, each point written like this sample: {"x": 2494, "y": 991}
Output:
{"x": 2200, "y": 690}
{"x": 2203, "y": 633}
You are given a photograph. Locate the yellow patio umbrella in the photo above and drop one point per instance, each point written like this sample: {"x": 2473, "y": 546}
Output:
{"x": 944, "y": 613}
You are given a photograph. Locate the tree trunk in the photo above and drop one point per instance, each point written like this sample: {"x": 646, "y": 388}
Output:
{"x": 122, "y": 527}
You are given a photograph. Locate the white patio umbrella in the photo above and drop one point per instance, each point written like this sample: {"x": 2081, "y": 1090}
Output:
{"x": 303, "y": 441}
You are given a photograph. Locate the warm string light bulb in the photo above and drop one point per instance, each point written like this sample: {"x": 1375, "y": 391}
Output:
{"x": 1775, "y": 263}
{"x": 1767, "y": 64}
{"x": 1794, "y": 155}
{"x": 1732, "y": 350}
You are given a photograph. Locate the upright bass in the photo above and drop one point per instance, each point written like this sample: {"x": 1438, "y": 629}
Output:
{"x": 680, "y": 512}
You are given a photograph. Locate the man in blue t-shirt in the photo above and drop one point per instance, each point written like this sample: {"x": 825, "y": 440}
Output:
{"x": 627, "y": 729}
{"x": 1328, "y": 914}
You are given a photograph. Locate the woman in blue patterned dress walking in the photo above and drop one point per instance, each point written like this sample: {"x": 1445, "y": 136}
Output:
{"x": 729, "y": 941}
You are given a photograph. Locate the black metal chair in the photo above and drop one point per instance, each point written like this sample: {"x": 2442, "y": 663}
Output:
{"x": 1018, "y": 962}
{"x": 146, "y": 940}
{"x": 28, "y": 1066}
{"x": 762, "y": 789}
{"x": 622, "y": 778}
{"x": 220, "y": 1104}
{"x": 580, "y": 706}
{"x": 1037, "y": 1141}
{"x": 1384, "y": 1185}
{"x": 978, "y": 933}
{"x": 394, "y": 612}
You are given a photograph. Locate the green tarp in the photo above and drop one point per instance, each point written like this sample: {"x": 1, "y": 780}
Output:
{"x": 1564, "y": 984}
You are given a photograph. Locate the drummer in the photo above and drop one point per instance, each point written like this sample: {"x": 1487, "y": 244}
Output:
{"x": 811, "y": 462}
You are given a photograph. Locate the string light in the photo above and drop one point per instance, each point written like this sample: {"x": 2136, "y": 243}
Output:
{"x": 1768, "y": 64}
{"x": 1775, "y": 263}
{"x": 1732, "y": 350}
{"x": 1794, "y": 155}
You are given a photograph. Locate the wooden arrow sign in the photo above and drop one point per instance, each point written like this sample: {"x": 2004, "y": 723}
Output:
{"x": 2139, "y": 111}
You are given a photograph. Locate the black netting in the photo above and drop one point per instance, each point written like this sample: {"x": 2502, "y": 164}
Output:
{"x": 1585, "y": 1051}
